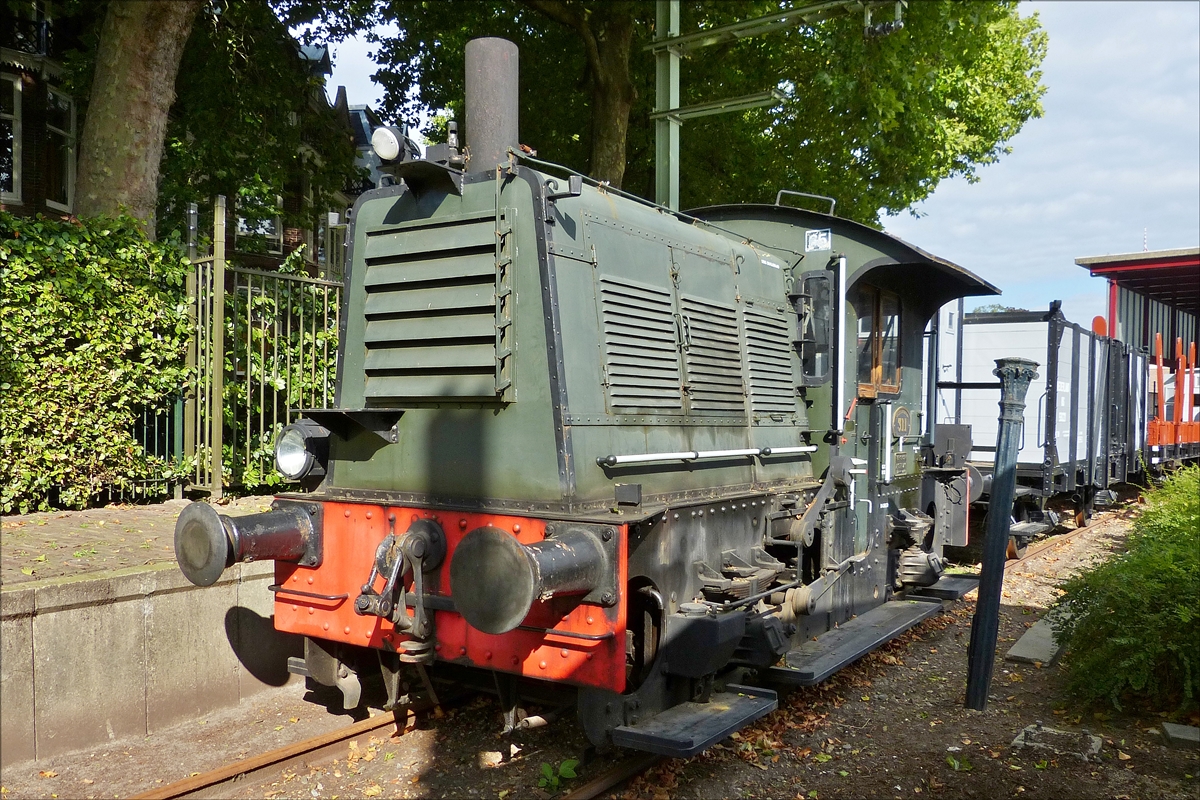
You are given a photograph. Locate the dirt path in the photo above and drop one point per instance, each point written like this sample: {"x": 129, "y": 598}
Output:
{"x": 892, "y": 725}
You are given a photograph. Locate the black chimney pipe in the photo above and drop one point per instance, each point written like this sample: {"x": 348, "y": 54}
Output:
{"x": 492, "y": 97}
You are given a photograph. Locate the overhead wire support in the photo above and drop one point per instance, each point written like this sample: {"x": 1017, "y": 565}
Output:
{"x": 669, "y": 47}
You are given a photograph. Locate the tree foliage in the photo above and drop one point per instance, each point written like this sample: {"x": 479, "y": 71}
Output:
{"x": 876, "y": 123}
{"x": 245, "y": 123}
{"x": 93, "y": 332}
{"x": 245, "y": 120}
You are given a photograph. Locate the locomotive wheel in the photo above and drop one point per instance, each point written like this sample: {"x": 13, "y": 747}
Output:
{"x": 1017, "y": 547}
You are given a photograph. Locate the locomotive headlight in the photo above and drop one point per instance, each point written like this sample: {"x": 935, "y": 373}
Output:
{"x": 302, "y": 450}
{"x": 388, "y": 143}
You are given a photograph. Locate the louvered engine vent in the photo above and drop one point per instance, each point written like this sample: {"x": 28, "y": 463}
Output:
{"x": 431, "y": 310}
{"x": 769, "y": 358}
{"x": 713, "y": 357}
{"x": 641, "y": 357}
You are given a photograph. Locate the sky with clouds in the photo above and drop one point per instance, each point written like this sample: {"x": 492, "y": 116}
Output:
{"x": 1117, "y": 153}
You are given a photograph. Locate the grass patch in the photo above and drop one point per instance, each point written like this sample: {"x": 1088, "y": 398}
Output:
{"x": 1134, "y": 631}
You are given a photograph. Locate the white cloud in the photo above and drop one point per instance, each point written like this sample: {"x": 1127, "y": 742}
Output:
{"x": 1118, "y": 151}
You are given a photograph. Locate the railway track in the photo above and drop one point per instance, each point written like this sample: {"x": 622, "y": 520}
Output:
{"x": 326, "y": 745}
{"x": 247, "y": 770}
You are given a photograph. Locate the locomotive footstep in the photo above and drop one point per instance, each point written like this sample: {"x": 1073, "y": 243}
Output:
{"x": 814, "y": 661}
{"x": 684, "y": 730}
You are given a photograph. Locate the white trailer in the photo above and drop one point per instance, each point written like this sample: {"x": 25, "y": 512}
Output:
{"x": 1085, "y": 414}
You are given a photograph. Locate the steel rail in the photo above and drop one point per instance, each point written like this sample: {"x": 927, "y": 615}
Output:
{"x": 239, "y": 770}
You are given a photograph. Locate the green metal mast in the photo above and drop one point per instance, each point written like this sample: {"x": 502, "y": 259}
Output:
{"x": 669, "y": 47}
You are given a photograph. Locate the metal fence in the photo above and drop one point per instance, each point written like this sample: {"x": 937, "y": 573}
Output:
{"x": 264, "y": 347}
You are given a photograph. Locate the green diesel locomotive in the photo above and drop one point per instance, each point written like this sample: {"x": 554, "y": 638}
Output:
{"x": 668, "y": 461}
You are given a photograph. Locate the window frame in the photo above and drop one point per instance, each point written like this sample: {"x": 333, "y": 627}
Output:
{"x": 243, "y": 231}
{"x": 69, "y": 136}
{"x": 15, "y": 196}
{"x": 872, "y": 297}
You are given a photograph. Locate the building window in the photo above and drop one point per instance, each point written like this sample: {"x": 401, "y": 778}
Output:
{"x": 10, "y": 138}
{"x": 60, "y": 150}
{"x": 878, "y": 342}
{"x": 259, "y": 229}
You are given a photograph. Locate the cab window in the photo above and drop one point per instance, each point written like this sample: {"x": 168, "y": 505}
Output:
{"x": 878, "y": 342}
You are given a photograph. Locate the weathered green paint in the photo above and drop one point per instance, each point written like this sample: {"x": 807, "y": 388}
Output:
{"x": 670, "y": 337}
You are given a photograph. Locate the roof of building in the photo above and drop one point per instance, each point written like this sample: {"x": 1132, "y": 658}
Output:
{"x": 1168, "y": 276}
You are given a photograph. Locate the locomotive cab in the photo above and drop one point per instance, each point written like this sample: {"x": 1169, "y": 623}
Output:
{"x": 665, "y": 461}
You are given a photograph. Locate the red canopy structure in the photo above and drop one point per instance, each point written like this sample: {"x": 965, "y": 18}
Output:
{"x": 1150, "y": 292}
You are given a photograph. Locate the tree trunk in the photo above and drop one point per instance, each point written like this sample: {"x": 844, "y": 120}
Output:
{"x": 607, "y": 33}
{"x": 612, "y": 96}
{"x": 141, "y": 44}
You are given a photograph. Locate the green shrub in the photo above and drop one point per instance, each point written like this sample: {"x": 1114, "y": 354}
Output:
{"x": 93, "y": 332}
{"x": 1134, "y": 631}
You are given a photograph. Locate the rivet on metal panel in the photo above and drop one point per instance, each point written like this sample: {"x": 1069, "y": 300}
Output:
{"x": 295, "y": 608}
{"x": 310, "y": 580}
{"x": 541, "y": 665}
{"x": 311, "y": 611}
{"x": 589, "y": 656}
{"x": 563, "y": 652}
{"x": 515, "y": 660}
{"x": 325, "y": 626}
{"x": 346, "y": 629}
{"x": 347, "y": 512}
{"x": 517, "y": 527}
{"x": 462, "y": 651}
{"x": 590, "y": 620}
{"x": 391, "y": 517}
{"x": 462, "y": 524}
{"x": 368, "y": 515}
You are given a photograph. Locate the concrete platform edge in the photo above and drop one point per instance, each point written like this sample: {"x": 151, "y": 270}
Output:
{"x": 91, "y": 658}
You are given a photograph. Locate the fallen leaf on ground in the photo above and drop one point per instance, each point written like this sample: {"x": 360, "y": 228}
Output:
{"x": 47, "y": 773}
{"x": 1123, "y": 756}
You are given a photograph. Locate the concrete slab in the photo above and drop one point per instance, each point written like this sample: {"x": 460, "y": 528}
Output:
{"x": 16, "y": 677}
{"x": 1036, "y": 645}
{"x": 1182, "y": 736}
{"x": 89, "y": 661}
{"x": 1081, "y": 744}
{"x": 191, "y": 668}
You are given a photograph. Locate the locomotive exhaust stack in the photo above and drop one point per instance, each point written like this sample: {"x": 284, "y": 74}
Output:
{"x": 491, "y": 94}
{"x": 207, "y": 542}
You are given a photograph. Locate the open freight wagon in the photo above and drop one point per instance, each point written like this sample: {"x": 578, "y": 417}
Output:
{"x": 1085, "y": 415}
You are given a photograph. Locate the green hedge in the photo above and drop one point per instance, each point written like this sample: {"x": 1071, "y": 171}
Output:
{"x": 1134, "y": 633}
{"x": 93, "y": 332}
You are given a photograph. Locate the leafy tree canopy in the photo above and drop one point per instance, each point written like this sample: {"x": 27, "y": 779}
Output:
{"x": 246, "y": 120}
{"x": 876, "y": 123}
